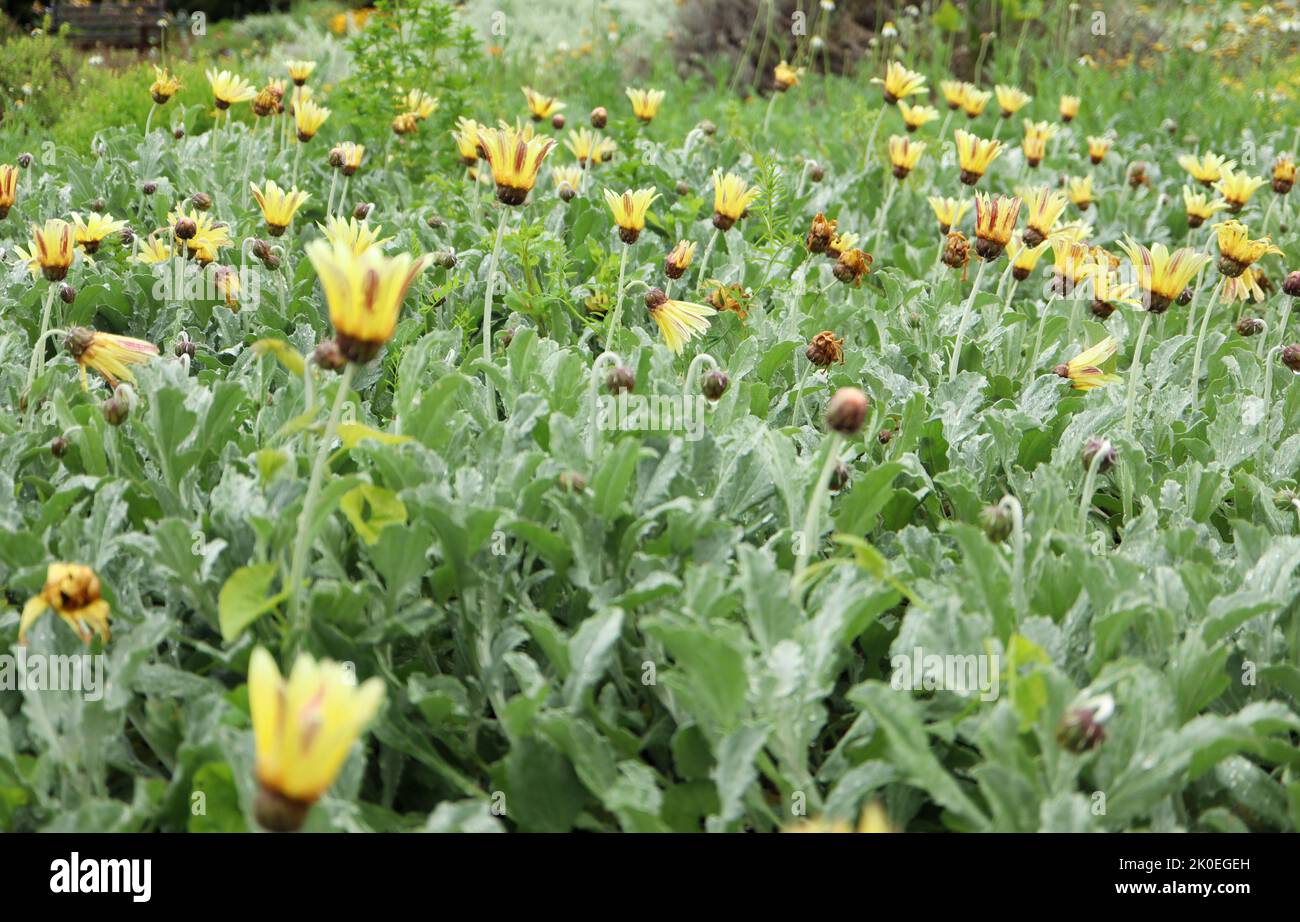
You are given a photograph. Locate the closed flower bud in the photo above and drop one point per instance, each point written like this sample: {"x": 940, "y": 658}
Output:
{"x": 825, "y": 350}
{"x": 67, "y": 294}
{"x": 654, "y": 298}
{"x": 1083, "y": 728}
{"x": 178, "y": 133}
{"x": 708, "y": 127}
{"x": 885, "y": 436}
{"x": 1184, "y": 297}
{"x": 567, "y": 193}
{"x": 128, "y": 236}
{"x": 840, "y": 477}
{"x": 572, "y": 482}
{"x": 557, "y": 121}
{"x": 682, "y": 188}
{"x": 59, "y": 445}
{"x": 435, "y": 222}
{"x": 98, "y": 205}
{"x": 1291, "y": 357}
{"x": 997, "y": 522}
{"x": 329, "y": 356}
{"x": 116, "y": 409}
{"x": 816, "y": 172}
{"x": 599, "y": 117}
{"x": 444, "y": 259}
{"x": 149, "y": 188}
{"x": 24, "y": 160}
{"x": 620, "y": 379}
{"x": 362, "y": 211}
{"x": 715, "y": 384}
{"x": 1291, "y": 285}
{"x": 956, "y": 250}
{"x": 847, "y": 411}
{"x": 336, "y": 157}
{"x": 1100, "y": 450}
{"x": 185, "y": 229}
{"x": 186, "y": 347}
{"x": 201, "y": 200}
{"x": 1250, "y": 326}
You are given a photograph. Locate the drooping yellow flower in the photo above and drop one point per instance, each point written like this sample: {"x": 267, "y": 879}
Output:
{"x": 540, "y": 106}
{"x": 228, "y": 88}
{"x": 1084, "y": 371}
{"x": 1011, "y": 99}
{"x": 899, "y": 83}
{"x": 732, "y": 197}
{"x": 645, "y": 103}
{"x": 1037, "y": 134}
{"x": 466, "y": 134}
{"x": 904, "y": 154}
{"x": 1069, "y": 108}
{"x": 164, "y": 86}
{"x": 1237, "y": 188}
{"x": 514, "y": 161}
{"x": 1098, "y": 148}
{"x": 406, "y": 123}
{"x": 8, "y": 188}
{"x": 303, "y": 730}
{"x": 52, "y": 250}
{"x": 1109, "y": 289}
{"x": 152, "y": 252}
{"x": 1199, "y": 207}
{"x": 974, "y": 155}
{"x": 874, "y": 819}
{"x": 1244, "y": 287}
{"x": 269, "y": 100}
{"x": 915, "y": 117}
{"x": 225, "y": 280}
{"x": 1045, "y": 206}
{"x": 299, "y": 71}
{"x": 308, "y": 116}
{"x": 995, "y": 221}
{"x": 418, "y": 103}
{"x": 1237, "y": 250}
{"x": 679, "y": 260}
{"x": 1080, "y": 190}
{"x": 72, "y": 590}
{"x": 1070, "y": 263}
{"x": 204, "y": 237}
{"x": 1208, "y": 169}
{"x": 954, "y": 92}
{"x": 1024, "y": 258}
{"x": 1161, "y": 275}
{"x": 364, "y": 292}
{"x": 90, "y": 232}
{"x": 785, "y": 76}
{"x": 357, "y": 236}
{"x": 948, "y": 211}
{"x": 1283, "y": 174}
{"x": 679, "y": 321}
{"x": 974, "y": 101}
{"x": 567, "y": 179}
{"x": 588, "y": 146}
{"x": 350, "y": 157}
{"x": 629, "y": 211}
{"x": 112, "y": 356}
{"x": 278, "y": 205}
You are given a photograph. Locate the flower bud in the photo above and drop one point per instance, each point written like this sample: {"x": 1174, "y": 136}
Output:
{"x": 1291, "y": 285}
{"x": 116, "y": 409}
{"x": 956, "y": 250}
{"x": 24, "y": 160}
{"x": 1100, "y": 449}
{"x": 185, "y": 229}
{"x": 682, "y": 188}
{"x": 444, "y": 259}
{"x": 708, "y": 127}
{"x": 997, "y": 522}
{"x": 435, "y": 222}
{"x": 716, "y": 383}
{"x": 1083, "y": 728}
{"x": 847, "y": 411}
{"x": 97, "y": 204}
{"x": 599, "y": 117}
{"x": 328, "y": 356}
{"x": 186, "y": 347}
{"x": 572, "y": 482}
{"x": 149, "y": 188}
{"x": 59, "y": 445}
{"x": 178, "y": 133}
{"x": 336, "y": 157}
{"x": 825, "y": 350}
{"x": 1291, "y": 357}
{"x": 816, "y": 172}
{"x": 557, "y": 121}
{"x": 885, "y": 436}
{"x": 67, "y": 294}
{"x": 1184, "y": 297}
{"x": 619, "y": 379}
{"x": 362, "y": 211}
{"x": 840, "y": 477}
{"x": 201, "y": 200}
{"x": 1250, "y": 326}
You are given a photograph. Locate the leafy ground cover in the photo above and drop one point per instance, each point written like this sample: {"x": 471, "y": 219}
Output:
{"x": 897, "y": 537}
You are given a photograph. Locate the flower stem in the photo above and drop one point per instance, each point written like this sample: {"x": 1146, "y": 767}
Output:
{"x": 329, "y": 206}
{"x": 1134, "y": 369}
{"x": 813, "y": 515}
{"x": 1089, "y": 485}
{"x": 617, "y": 316}
{"x": 487, "y": 311}
{"x": 603, "y": 359}
{"x": 871, "y": 140}
{"x": 708, "y": 251}
{"x": 1200, "y": 345}
{"x": 303, "y": 542}
{"x": 965, "y": 316}
{"x": 37, "y": 363}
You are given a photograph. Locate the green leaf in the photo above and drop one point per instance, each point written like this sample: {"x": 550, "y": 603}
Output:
{"x": 246, "y": 597}
{"x": 371, "y": 509}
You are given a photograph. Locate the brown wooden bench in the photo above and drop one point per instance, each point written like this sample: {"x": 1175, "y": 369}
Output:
{"x": 120, "y": 24}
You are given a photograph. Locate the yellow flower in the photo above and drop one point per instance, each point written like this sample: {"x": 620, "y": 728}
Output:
{"x": 1237, "y": 250}
{"x": 1037, "y": 134}
{"x": 1283, "y": 174}
{"x": 995, "y": 221}
{"x": 364, "y": 292}
{"x": 8, "y": 188}
{"x": 228, "y": 88}
{"x": 589, "y": 146}
{"x": 308, "y": 116}
{"x": 1206, "y": 170}
{"x": 974, "y": 155}
{"x": 111, "y": 356}
{"x": 1199, "y": 207}
{"x": 351, "y": 155}
{"x": 679, "y": 321}
{"x": 278, "y": 205}
{"x": 1012, "y": 99}
{"x": 1084, "y": 370}
{"x": 1080, "y": 189}
{"x": 466, "y": 135}
{"x": 629, "y": 211}
{"x": 904, "y": 154}
{"x": 974, "y": 101}
{"x": 680, "y": 259}
{"x": 51, "y": 251}
{"x": 1237, "y": 188}
{"x": 948, "y": 211}
{"x": 152, "y": 252}
{"x": 539, "y": 106}
{"x": 226, "y": 280}
{"x": 1069, "y": 108}
{"x": 72, "y": 590}
{"x": 299, "y": 71}
{"x": 1244, "y": 287}
{"x": 566, "y": 177}
{"x": 874, "y": 819}
{"x": 90, "y": 232}
{"x": 406, "y": 123}
{"x": 915, "y": 117}
{"x": 899, "y": 83}
{"x": 269, "y": 100}
{"x": 1024, "y": 258}
{"x": 164, "y": 86}
{"x": 841, "y": 243}
{"x": 645, "y": 103}
{"x": 731, "y": 199}
{"x": 303, "y": 730}
{"x": 1045, "y": 207}
{"x": 1108, "y": 289}
{"x": 357, "y": 236}
{"x": 514, "y": 161}
{"x": 208, "y": 237}
{"x": 1071, "y": 260}
{"x": 954, "y": 92}
{"x": 1098, "y": 148}
{"x": 1162, "y": 275}
{"x": 419, "y": 104}
{"x": 786, "y": 76}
